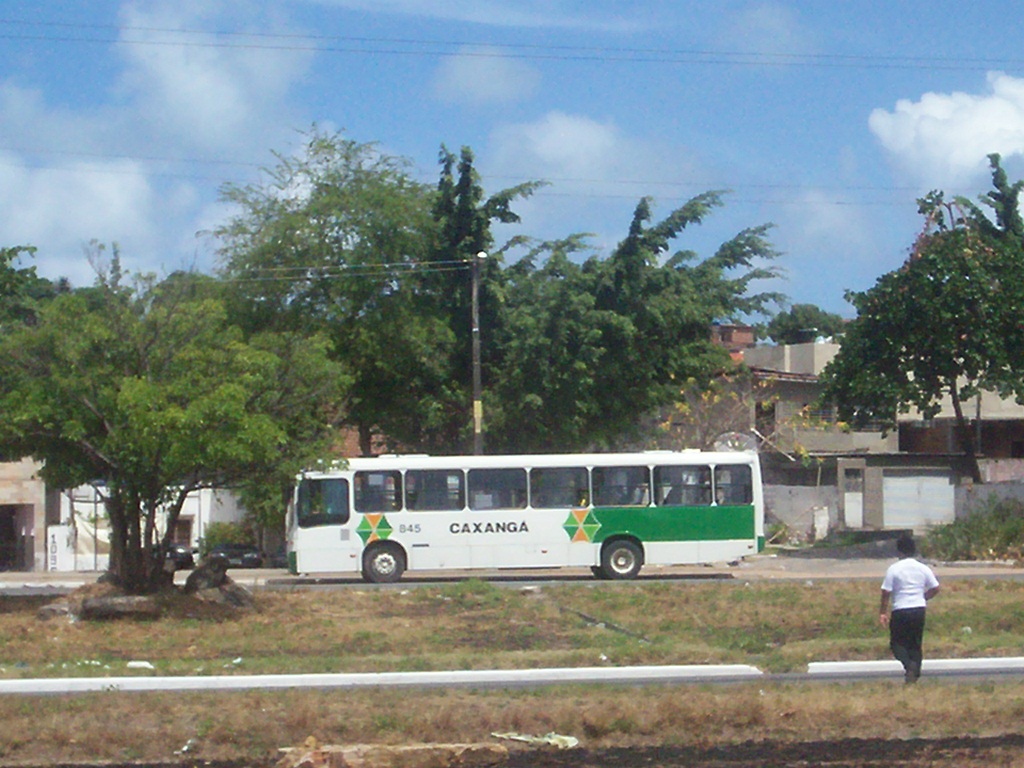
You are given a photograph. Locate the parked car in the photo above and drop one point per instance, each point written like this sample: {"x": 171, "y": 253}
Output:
{"x": 182, "y": 557}
{"x": 239, "y": 555}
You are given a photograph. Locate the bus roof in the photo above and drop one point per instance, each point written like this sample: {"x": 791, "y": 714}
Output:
{"x": 639, "y": 458}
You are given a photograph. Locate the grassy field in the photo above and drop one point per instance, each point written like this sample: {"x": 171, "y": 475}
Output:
{"x": 475, "y": 625}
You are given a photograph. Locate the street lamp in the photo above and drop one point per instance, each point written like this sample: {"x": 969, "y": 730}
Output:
{"x": 478, "y": 405}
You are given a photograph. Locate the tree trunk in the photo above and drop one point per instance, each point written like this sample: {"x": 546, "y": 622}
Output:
{"x": 964, "y": 436}
{"x": 130, "y": 566}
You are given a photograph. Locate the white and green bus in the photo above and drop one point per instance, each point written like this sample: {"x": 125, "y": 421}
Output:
{"x": 612, "y": 512}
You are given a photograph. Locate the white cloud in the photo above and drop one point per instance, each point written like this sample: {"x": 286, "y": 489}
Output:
{"x": 768, "y": 28}
{"x": 563, "y": 145}
{"x": 176, "y": 98}
{"x": 210, "y": 92}
{"x": 59, "y": 210}
{"x": 481, "y": 75}
{"x": 942, "y": 140}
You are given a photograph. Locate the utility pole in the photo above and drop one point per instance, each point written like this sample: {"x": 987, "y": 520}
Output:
{"x": 478, "y": 405}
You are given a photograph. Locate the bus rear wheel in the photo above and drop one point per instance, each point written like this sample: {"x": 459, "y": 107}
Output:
{"x": 621, "y": 559}
{"x": 383, "y": 563}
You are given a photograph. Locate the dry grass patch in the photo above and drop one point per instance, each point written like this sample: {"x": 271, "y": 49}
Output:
{"x": 473, "y": 624}
{"x": 253, "y": 725}
{"x": 476, "y": 625}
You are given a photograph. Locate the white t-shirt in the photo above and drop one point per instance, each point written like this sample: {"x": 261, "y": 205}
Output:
{"x": 908, "y": 580}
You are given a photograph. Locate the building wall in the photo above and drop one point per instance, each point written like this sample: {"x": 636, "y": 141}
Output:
{"x": 22, "y": 516}
{"x": 988, "y": 404}
{"x": 82, "y": 512}
{"x": 792, "y": 358}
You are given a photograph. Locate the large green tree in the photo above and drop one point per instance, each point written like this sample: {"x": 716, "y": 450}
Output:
{"x": 333, "y": 241}
{"x": 150, "y": 391}
{"x": 340, "y": 238}
{"x": 592, "y": 350}
{"x": 803, "y": 322}
{"x": 945, "y": 325}
{"x": 464, "y": 214}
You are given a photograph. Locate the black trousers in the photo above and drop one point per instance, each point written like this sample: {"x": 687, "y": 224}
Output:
{"x": 906, "y": 631}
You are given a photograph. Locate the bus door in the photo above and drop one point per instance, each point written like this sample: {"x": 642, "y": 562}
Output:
{"x": 435, "y": 503}
{"x": 322, "y": 535}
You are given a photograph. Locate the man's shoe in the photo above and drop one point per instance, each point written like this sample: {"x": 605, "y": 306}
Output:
{"x": 913, "y": 672}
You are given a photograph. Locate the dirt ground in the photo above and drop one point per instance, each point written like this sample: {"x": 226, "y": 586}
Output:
{"x": 966, "y": 752}
{"x": 851, "y": 753}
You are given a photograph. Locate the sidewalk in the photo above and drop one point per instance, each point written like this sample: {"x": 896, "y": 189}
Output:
{"x": 756, "y": 568}
{"x": 57, "y": 582}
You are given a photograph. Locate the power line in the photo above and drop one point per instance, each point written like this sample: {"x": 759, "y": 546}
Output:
{"x": 298, "y": 274}
{"x": 474, "y": 48}
{"x": 670, "y": 188}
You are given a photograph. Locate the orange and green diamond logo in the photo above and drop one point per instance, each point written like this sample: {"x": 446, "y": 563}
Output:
{"x": 373, "y": 527}
{"x": 581, "y": 525}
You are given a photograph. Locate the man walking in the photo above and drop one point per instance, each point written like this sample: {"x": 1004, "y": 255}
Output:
{"x": 911, "y": 584}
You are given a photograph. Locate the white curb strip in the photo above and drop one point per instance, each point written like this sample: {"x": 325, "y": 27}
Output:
{"x": 468, "y": 678}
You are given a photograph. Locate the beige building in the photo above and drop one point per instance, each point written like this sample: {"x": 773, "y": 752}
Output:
{"x": 66, "y": 530}
{"x": 909, "y": 478}
{"x": 789, "y": 416}
{"x": 23, "y": 504}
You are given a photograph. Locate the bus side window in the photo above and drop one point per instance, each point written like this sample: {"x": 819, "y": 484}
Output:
{"x": 621, "y": 486}
{"x": 497, "y": 489}
{"x": 733, "y": 484}
{"x": 558, "y": 487}
{"x": 435, "y": 490}
{"x": 378, "y": 491}
{"x": 688, "y": 486}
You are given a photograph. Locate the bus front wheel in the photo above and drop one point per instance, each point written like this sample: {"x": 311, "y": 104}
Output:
{"x": 383, "y": 563}
{"x": 621, "y": 559}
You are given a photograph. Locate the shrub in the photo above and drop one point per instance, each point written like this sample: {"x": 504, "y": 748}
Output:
{"x": 994, "y": 531}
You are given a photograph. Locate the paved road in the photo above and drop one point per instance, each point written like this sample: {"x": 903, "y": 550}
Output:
{"x": 759, "y": 567}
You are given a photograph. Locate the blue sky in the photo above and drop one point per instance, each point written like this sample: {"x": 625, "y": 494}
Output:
{"x": 120, "y": 121}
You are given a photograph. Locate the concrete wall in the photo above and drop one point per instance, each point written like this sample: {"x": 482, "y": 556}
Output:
{"x": 989, "y": 404}
{"x": 970, "y": 498}
{"x": 797, "y": 506}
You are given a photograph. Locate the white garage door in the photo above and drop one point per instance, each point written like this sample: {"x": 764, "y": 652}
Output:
{"x": 917, "y": 498}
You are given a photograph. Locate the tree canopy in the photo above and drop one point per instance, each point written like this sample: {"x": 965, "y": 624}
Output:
{"x": 802, "y": 323}
{"x": 343, "y": 240}
{"x": 589, "y": 349}
{"x": 946, "y": 324}
{"x": 151, "y": 393}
